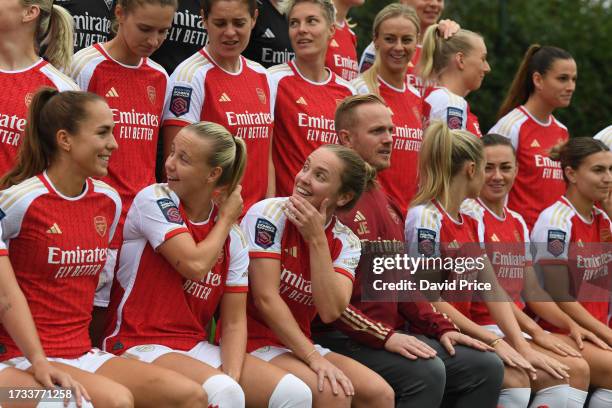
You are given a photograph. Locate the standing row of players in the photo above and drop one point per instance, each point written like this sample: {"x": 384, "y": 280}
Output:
{"x": 307, "y": 66}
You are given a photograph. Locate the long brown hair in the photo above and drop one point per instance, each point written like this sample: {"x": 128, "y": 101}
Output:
{"x": 49, "y": 112}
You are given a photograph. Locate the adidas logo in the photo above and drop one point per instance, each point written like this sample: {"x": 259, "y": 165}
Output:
{"x": 333, "y": 43}
{"x": 224, "y": 98}
{"x": 112, "y": 93}
{"x": 535, "y": 143}
{"x": 301, "y": 101}
{"x": 454, "y": 244}
{"x": 268, "y": 34}
{"x": 54, "y": 229}
{"x": 494, "y": 238}
{"x": 359, "y": 217}
{"x": 292, "y": 251}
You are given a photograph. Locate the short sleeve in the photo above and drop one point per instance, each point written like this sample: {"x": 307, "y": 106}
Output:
{"x": 237, "y": 276}
{"x": 186, "y": 96}
{"x": 348, "y": 258}
{"x": 448, "y": 108}
{"x": 154, "y": 215}
{"x": 422, "y": 231}
{"x": 367, "y": 58}
{"x": 551, "y": 240}
{"x": 263, "y": 227}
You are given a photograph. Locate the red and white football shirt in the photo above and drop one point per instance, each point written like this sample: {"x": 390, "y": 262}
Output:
{"x": 562, "y": 236}
{"x": 178, "y": 317}
{"x": 202, "y": 90}
{"x": 58, "y": 247}
{"x": 400, "y": 180}
{"x": 341, "y": 55}
{"x": 270, "y": 235}
{"x": 431, "y": 232}
{"x": 3, "y": 250}
{"x": 18, "y": 88}
{"x": 507, "y": 244}
{"x": 136, "y": 96}
{"x": 539, "y": 182}
{"x": 605, "y": 135}
{"x": 441, "y": 104}
{"x": 303, "y": 119}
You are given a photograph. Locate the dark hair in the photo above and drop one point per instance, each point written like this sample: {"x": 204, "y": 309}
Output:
{"x": 539, "y": 59}
{"x": 573, "y": 152}
{"x": 356, "y": 174}
{"x": 49, "y": 112}
{"x": 206, "y": 6}
{"x": 494, "y": 139}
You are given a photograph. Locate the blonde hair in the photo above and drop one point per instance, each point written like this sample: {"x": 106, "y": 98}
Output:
{"x": 227, "y": 152}
{"x": 437, "y": 52}
{"x": 327, "y": 6}
{"x": 443, "y": 154}
{"x": 393, "y": 10}
{"x": 345, "y": 112}
{"x": 356, "y": 175}
{"x": 54, "y": 32}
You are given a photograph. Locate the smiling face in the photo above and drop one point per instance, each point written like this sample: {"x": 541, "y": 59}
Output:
{"x": 186, "y": 166}
{"x": 319, "y": 179}
{"x": 144, "y": 28}
{"x": 558, "y": 84}
{"x": 371, "y": 134}
{"x": 229, "y": 26}
{"x": 309, "y": 30}
{"x": 91, "y": 146}
{"x": 593, "y": 178}
{"x": 500, "y": 172}
{"x": 396, "y": 42}
{"x": 429, "y": 11}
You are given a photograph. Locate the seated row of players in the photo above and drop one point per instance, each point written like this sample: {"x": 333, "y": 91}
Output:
{"x": 303, "y": 262}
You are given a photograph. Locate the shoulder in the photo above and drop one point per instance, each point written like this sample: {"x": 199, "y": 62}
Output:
{"x": 473, "y": 209}
{"x": 278, "y": 72}
{"x": 510, "y": 124}
{"x": 193, "y": 66}
{"x": 424, "y": 216}
{"x": 559, "y": 124}
{"x": 605, "y": 136}
{"x": 341, "y": 82}
{"x": 270, "y": 209}
{"x": 557, "y": 216}
{"x": 360, "y": 85}
{"x": 21, "y": 195}
{"x": 156, "y": 67}
{"x": 85, "y": 61}
{"x": 156, "y": 192}
{"x": 60, "y": 80}
{"x": 104, "y": 188}
{"x": 254, "y": 66}
{"x": 345, "y": 234}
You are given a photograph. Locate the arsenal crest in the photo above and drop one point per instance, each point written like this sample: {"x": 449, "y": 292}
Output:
{"x": 261, "y": 95}
{"x": 151, "y": 94}
{"x": 100, "y": 225}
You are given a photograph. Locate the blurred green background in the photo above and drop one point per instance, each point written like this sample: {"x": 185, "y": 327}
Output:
{"x": 582, "y": 27}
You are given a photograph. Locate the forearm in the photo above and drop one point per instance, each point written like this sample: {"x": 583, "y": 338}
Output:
{"x": 207, "y": 250}
{"x": 584, "y": 318}
{"x": 361, "y": 327}
{"x": 502, "y": 314}
{"x": 329, "y": 297}
{"x": 525, "y": 322}
{"x": 233, "y": 348}
{"x": 279, "y": 318}
{"x": 464, "y": 324}
{"x": 551, "y": 312}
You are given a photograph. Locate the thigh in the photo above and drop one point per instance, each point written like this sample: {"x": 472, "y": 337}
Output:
{"x": 258, "y": 380}
{"x": 151, "y": 385}
{"x": 196, "y": 370}
{"x": 14, "y": 378}
{"x": 325, "y": 398}
{"x": 579, "y": 371}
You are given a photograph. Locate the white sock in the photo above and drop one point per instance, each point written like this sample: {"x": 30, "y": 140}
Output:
{"x": 576, "y": 398}
{"x": 601, "y": 398}
{"x": 290, "y": 392}
{"x": 551, "y": 397}
{"x": 224, "y": 392}
{"x": 514, "y": 398}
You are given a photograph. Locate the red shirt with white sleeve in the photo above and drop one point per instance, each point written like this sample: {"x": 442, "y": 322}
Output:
{"x": 441, "y": 104}
{"x": 431, "y": 232}
{"x": 240, "y": 101}
{"x": 303, "y": 119}
{"x": 508, "y": 247}
{"x": 400, "y": 180}
{"x": 177, "y": 315}
{"x": 58, "y": 246}
{"x": 270, "y": 235}
{"x": 539, "y": 182}
{"x": 341, "y": 55}
{"x": 18, "y": 89}
{"x": 136, "y": 96}
{"x": 564, "y": 237}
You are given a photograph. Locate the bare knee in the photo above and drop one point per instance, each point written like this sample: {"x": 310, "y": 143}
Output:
{"x": 580, "y": 373}
{"x": 326, "y": 398}
{"x": 376, "y": 393}
{"x": 191, "y": 395}
{"x": 118, "y": 397}
{"x": 515, "y": 378}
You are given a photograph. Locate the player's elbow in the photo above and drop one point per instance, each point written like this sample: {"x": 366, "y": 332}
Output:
{"x": 264, "y": 302}
{"x": 194, "y": 270}
{"x": 331, "y": 314}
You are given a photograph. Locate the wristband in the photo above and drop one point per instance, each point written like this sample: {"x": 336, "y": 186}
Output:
{"x": 494, "y": 342}
{"x": 314, "y": 350}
